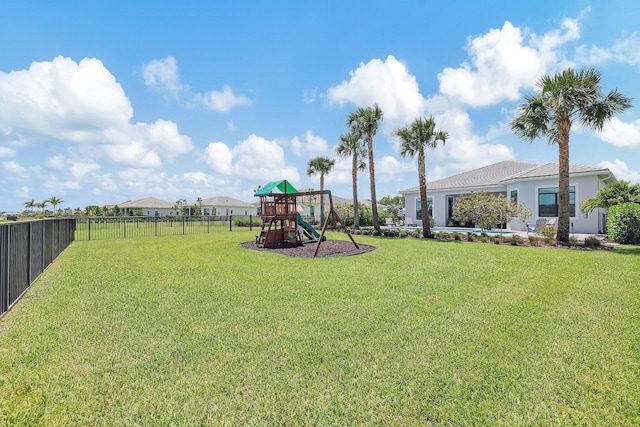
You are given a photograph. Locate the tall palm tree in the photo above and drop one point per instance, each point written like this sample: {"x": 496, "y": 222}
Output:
{"x": 421, "y": 134}
{"x": 30, "y": 204}
{"x": 364, "y": 122}
{"x": 351, "y": 145}
{"x": 54, "y": 201}
{"x": 562, "y": 98}
{"x": 322, "y": 166}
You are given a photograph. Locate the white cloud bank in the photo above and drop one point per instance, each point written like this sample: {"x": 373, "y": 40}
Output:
{"x": 255, "y": 158}
{"x": 83, "y": 103}
{"x": 620, "y": 134}
{"x": 387, "y": 83}
{"x": 503, "y": 62}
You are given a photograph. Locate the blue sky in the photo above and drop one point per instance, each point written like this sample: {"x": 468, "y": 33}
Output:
{"x": 104, "y": 102}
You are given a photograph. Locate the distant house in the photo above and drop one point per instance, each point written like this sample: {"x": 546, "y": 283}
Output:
{"x": 224, "y": 206}
{"x": 149, "y": 206}
{"x": 535, "y": 185}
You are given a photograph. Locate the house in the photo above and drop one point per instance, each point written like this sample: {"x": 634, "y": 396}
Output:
{"x": 535, "y": 185}
{"x": 149, "y": 206}
{"x": 223, "y": 205}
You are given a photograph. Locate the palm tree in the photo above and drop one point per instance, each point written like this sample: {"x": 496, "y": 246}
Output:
{"x": 561, "y": 99}
{"x": 364, "y": 123}
{"x": 421, "y": 134}
{"x": 351, "y": 145}
{"x": 613, "y": 194}
{"x": 322, "y": 166}
{"x": 54, "y": 201}
{"x": 30, "y": 204}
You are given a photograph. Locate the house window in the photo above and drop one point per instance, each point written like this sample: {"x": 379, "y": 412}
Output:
{"x": 548, "y": 202}
{"x": 514, "y": 197}
{"x": 419, "y": 207}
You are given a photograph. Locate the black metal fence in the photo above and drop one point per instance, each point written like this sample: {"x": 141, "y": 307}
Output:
{"x": 118, "y": 227}
{"x": 27, "y": 248}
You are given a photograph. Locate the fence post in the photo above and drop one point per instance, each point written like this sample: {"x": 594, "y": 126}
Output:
{"x": 230, "y": 223}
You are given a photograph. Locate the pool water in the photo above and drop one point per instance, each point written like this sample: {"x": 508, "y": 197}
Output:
{"x": 460, "y": 230}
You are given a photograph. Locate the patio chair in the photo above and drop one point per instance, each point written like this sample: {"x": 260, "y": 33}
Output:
{"x": 540, "y": 224}
{"x": 409, "y": 222}
{"x": 389, "y": 222}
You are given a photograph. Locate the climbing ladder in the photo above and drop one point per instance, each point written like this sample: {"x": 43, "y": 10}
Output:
{"x": 267, "y": 224}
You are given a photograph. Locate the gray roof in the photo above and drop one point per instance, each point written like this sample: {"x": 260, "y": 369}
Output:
{"x": 500, "y": 173}
{"x": 226, "y": 201}
{"x": 147, "y": 202}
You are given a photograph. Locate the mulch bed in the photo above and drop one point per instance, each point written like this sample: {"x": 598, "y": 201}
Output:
{"x": 328, "y": 249}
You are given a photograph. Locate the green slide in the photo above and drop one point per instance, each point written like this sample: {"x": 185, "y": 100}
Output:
{"x": 309, "y": 231}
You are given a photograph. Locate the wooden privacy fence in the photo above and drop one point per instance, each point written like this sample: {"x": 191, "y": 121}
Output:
{"x": 27, "y": 248}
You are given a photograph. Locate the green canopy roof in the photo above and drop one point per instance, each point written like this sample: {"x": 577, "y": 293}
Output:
{"x": 283, "y": 186}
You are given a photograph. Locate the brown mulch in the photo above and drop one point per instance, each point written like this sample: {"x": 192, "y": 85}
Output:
{"x": 328, "y": 249}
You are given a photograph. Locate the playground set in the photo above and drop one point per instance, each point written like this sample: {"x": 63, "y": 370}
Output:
{"x": 282, "y": 224}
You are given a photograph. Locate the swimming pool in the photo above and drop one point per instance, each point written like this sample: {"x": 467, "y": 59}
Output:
{"x": 460, "y": 230}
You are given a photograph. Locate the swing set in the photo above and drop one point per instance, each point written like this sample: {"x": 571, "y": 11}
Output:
{"x": 282, "y": 224}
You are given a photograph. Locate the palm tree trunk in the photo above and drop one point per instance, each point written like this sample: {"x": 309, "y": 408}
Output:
{"x": 354, "y": 177}
{"x": 564, "y": 126}
{"x": 422, "y": 181}
{"x": 321, "y": 199}
{"x": 372, "y": 180}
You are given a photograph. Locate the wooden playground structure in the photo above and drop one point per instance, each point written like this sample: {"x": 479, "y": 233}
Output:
{"x": 282, "y": 224}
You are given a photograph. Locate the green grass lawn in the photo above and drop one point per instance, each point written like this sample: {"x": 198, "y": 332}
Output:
{"x": 195, "y": 330}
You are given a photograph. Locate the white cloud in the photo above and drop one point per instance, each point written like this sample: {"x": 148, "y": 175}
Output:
{"x": 312, "y": 146}
{"x": 163, "y": 75}
{"x": 56, "y": 162}
{"x": 13, "y": 168}
{"x": 219, "y": 157}
{"x": 620, "y": 134}
{"x": 80, "y": 169}
{"x": 221, "y": 101}
{"x": 82, "y": 102}
{"x": 135, "y": 153}
{"x": 621, "y": 170}
{"x": 310, "y": 95}
{"x": 254, "y": 158}
{"x": 23, "y": 192}
{"x": 7, "y": 152}
{"x": 231, "y": 126}
{"x": 625, "y": 50}
{"x": 388, "y": 83}
{"x": 62, "y": 99}
{"x": 503, "y": 61}
{"x": 165, "y": 137}
{"x": 341, "y": 172}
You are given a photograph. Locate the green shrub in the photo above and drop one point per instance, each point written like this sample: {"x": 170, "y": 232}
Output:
{"x": 245, "y": 221}
{"x": 534, "y": 240}
{"x": 516, "y": 240}
{"x": 456, "y": 236}
{"x": 549, "y": 232}
{"x": 573, "y": 241}
{"x": 623, "y": 223}
{"x": 591, "y": 242}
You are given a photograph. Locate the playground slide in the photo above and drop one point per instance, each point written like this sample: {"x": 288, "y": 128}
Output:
{"x": 308, "y": 229}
